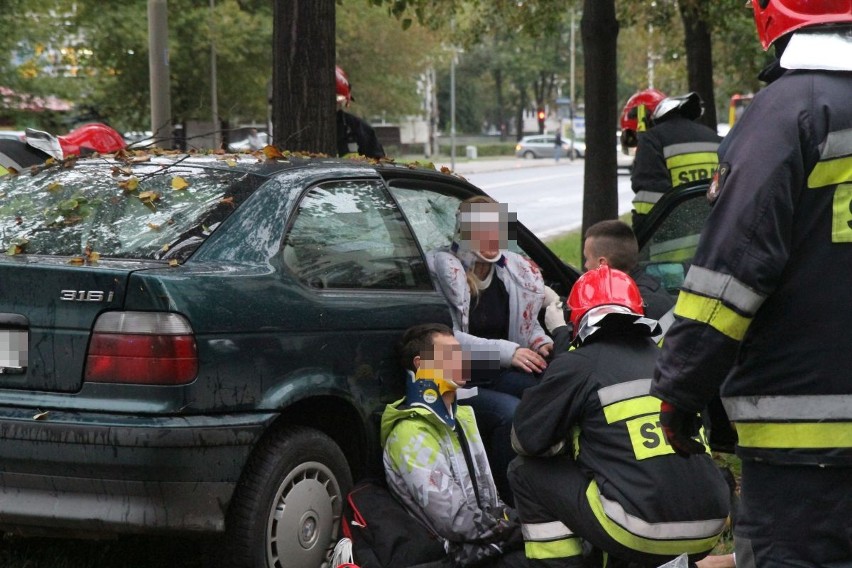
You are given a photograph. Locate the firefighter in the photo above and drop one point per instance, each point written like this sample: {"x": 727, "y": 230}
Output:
{"x": 675, "y": 151}
{"x": 354, "y": 135}
{"x": 766, "y": 306}
{"x": 636, "y": 114}
{"x": 595, "y": 465}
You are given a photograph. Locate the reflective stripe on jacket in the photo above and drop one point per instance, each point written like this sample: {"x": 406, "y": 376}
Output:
{"x": 596, "y": 401}
{"x": 766, "y": 307}
{"x": 671, "y": 154}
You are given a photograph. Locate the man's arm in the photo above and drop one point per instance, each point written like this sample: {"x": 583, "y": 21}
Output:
{"x": 544, "y": 418}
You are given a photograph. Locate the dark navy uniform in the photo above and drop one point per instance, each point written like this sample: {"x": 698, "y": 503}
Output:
{"x": 613, "y": 480}
{"x": 672, "y": 153}
{"x": 765, "y": 312}
{"x": 354, "y": 136}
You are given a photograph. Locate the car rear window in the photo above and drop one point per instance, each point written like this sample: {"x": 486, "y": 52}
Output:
{"x": 118, "y": 209}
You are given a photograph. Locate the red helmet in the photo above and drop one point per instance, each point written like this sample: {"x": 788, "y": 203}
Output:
{"x": 601, "y": 287}
{"x": 96, "y": 136}
{"x": 775, "y": 18}
{"x": 649, "y": 98}
{"x": 344, "y": 89}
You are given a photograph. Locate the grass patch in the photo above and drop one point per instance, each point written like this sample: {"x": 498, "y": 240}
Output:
{"x": 568, "y": 248}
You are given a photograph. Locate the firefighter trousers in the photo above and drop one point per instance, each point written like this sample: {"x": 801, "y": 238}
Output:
{"x": 558, "y": 521}
{"x": 794, "y": 516}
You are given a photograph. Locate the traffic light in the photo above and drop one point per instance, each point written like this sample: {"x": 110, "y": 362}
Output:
{"x": 541, "y": 114}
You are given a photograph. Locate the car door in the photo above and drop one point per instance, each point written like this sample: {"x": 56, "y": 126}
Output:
{"x": 668, "y": 238}
{"x": 360, "y": 266}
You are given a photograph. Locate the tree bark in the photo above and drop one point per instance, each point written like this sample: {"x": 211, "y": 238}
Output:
{"x": 303, "y": 76}
{"x": 699, "y": 57}
{"x": 599, "y": 30}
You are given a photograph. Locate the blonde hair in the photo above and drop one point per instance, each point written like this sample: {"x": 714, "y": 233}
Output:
{"x": 469, "y": 276}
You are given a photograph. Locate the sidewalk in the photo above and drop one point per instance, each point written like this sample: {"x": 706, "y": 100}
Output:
{"x": 465, "y": 166}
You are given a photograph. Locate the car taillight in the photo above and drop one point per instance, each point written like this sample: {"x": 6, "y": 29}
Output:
{"x": 150, "y": 348}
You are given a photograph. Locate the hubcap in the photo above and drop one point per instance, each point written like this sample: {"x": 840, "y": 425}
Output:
{"x": 304, "y": 517}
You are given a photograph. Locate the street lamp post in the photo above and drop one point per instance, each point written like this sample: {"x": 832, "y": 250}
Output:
{"x": 158, "y": 64}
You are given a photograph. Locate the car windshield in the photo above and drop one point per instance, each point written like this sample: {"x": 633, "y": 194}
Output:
{"x": 117, "y": 209}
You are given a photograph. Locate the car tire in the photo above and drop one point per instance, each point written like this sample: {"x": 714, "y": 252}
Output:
{"x": 529, "y": 155}
{"x": 286, "y": 510}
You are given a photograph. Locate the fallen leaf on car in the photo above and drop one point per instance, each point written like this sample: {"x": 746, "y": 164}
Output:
{"x": 178, "y": 183}
{"x": 227, "y": 201}
{"x": 149, "y": 196}
{"x": 129, "y": 185}
{"x": 153, "y": 226}
{"x": 77, "y": 261}
{"x": 93, "y": 257}
{"x": 174, "y": 262}
{"x": 41, "y": 415}
{"x": 55, "y": 186}
{"x": 124, "y": 171}
{"x": 271, "y": 152}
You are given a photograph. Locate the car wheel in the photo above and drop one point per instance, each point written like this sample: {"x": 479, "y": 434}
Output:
{"x": 287, "y": 507}
{"x": 529, "y": 155}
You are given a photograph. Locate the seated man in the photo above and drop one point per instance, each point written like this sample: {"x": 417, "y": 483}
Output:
{"x": 614, "y": 244}
{"x": 595, "y": 464}
{"x": 435, "y": 462}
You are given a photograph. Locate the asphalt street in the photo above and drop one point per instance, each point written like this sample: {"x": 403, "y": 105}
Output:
{"x": 546, "y": 195}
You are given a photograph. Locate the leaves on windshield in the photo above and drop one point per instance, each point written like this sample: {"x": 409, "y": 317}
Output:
{"x": 130, "y": 204}
{"x": 178, "y": 183}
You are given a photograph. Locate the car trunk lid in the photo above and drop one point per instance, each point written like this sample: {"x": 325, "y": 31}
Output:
{"x": 47, "y": 310}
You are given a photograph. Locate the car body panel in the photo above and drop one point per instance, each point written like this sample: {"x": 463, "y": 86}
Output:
{"x": 273, "y": 349}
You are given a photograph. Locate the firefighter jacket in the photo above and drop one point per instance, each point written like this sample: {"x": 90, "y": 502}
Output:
{"x": 426, "y": 470}
{"x": 766, "y": 307}
{"x": 595, "y": 402}
{"x": 673, "y": 153}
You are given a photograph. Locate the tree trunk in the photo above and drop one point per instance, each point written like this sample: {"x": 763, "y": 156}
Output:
{"x": 599, "y": 30}
{"x": 521, "y": 110}
{"x": 699, "y": 56}
{"x": 498, "y": 91}
{"x": 303, "y": 76}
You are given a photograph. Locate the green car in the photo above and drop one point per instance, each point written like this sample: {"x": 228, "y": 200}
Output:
{"x": 203, "y": 344}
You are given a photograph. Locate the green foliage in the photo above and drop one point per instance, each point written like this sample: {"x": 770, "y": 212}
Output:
{"x": 242, "y": 38}
{"x": 382, "y": 60}
{"x": 568, "y": 247}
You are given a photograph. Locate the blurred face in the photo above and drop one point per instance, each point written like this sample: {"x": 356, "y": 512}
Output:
{"x": 484, "y": 228}
{"x": 446, "y": 356}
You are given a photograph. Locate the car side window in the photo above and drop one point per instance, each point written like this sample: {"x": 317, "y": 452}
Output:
{"x": 668, "y": 253}
{"x": 350, "y": 235}
{"x": 432, "y": 215}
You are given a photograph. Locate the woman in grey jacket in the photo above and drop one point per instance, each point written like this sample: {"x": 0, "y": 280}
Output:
{"x": 494, "y": 297}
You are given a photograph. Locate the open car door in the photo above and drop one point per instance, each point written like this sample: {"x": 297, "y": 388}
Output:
{"x": 668, "y": 238}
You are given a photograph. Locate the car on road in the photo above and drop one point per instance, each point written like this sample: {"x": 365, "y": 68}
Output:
{"x": 204, "y": 343}
{"x": 542, "y": 146}
{"x": 244, "y": 145}
{"x": 624, "y": 159}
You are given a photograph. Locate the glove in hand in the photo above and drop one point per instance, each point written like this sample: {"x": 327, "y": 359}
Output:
{"x": 680, "y": 428}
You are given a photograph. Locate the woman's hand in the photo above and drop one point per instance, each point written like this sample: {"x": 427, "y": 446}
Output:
{"x": 528, "y": 360}
{"x": 545, "y": 350}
